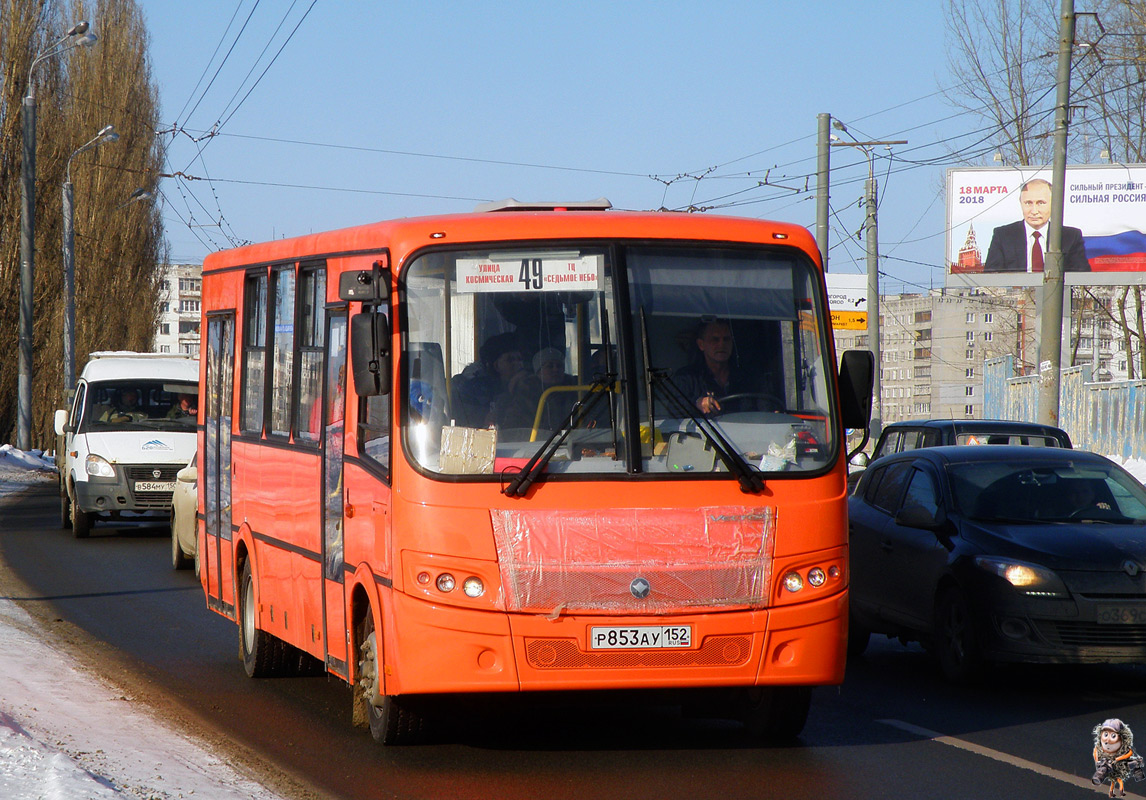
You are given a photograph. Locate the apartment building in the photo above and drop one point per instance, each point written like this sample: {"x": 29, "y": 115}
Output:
{"x": 179, "y": 305}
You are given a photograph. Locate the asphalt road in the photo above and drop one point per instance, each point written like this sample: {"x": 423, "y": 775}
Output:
{"x": 894, "y": 728}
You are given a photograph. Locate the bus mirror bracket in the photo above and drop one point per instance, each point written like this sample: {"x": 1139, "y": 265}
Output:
{"x": 370, "y": 353}
{"x": 365, "y": 285}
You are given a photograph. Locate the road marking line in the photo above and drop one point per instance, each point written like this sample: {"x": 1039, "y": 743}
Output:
{"x": 979, "y": 750}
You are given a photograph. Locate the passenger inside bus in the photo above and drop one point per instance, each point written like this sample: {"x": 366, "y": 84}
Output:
{"x": 517, "y": 408}
{"x": 475, "y": 389}
{"x": 715, "y": 373}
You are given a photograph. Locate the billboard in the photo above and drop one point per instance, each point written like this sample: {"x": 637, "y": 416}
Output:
{"x": 994, "y": 225}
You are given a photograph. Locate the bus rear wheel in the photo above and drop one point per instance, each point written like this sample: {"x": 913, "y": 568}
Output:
{"x": 262, "y": 653}
{"x": 391, "y": 719}
{"x": 776, "y": 713}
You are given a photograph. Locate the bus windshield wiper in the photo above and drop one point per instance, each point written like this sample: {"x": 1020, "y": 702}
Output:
{"x": 601, "y": 386}
{"x": 750, "y": 480}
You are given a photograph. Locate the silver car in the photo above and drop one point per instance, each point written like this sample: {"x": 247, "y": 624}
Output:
{"x": 184, "y": 530}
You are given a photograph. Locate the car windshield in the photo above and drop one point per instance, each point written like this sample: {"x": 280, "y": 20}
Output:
{"x": 719, "y": 361}
{"x": 139, "y": 405}
{"x": 1017, "y": 491}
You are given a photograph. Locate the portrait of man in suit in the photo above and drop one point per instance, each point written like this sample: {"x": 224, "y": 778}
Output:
{"x": 1021, "y": 246}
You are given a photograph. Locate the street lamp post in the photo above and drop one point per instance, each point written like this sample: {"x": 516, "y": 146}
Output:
{"x": 107, "y": 134}
{"x": 77, "y": 36}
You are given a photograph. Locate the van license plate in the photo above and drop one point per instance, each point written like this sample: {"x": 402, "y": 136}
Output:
{"x": 650, "y": 637}
{"x": 155, "y": 486}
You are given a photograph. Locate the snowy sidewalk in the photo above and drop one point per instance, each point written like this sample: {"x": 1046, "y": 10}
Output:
{"x": 65, "y": 734}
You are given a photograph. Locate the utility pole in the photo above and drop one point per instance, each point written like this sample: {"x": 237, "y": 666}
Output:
{"x": 823, "y": 179}
{"x": 1050, "y": 347}
{"x": 871, "y": 226}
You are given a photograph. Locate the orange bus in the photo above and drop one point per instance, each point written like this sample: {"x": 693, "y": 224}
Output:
{"x": 531, "y": 448}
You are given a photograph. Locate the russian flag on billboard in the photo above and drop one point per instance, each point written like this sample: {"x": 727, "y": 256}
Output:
{"x": 1118, "y": 252}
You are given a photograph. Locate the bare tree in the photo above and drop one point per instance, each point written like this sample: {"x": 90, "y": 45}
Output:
{"x": 118, "y": 246}
{"x": 998, "y": 52}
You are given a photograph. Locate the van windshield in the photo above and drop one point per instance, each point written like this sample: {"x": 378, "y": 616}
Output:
{"x": 139, "y": 405}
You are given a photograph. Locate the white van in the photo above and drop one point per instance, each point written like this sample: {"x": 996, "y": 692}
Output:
{"x": 131, "y": 427}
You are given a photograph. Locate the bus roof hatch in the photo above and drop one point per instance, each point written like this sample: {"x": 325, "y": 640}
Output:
{"x": 509, "y": 204}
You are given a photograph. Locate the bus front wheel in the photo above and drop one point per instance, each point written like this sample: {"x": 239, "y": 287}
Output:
{"x": 391, "y": 719}
{"x": 776, "y": 713}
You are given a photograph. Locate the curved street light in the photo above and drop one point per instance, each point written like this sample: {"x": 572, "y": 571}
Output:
{"x": 105, "y": 136}
{"x": 77, "y": 36}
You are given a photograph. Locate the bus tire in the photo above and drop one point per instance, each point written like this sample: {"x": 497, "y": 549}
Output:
{"x": 261, "y": 652}
{"x": 776, "y": 714}
{"x": 81, "y": 522}
{"x": 393, "y": 722}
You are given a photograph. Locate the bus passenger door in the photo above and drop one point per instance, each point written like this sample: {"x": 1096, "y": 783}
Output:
{"x": 333, "y": 438}
{"x": 217, "y": 553}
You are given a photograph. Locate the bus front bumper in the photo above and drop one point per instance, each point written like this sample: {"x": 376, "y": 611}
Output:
{"x": 445, "y": 649}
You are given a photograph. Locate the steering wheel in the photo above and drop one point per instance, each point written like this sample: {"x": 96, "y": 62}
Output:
{"x": 774, "y": 403}
{"x": 1096, "y": 510}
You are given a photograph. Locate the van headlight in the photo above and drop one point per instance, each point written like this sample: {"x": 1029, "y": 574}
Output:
{"x": 99, "y": 467}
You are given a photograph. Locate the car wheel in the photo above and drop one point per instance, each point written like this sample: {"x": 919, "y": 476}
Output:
{"x": 179, "y": 559}
{"x": 776, "y": 713}
{"x": 262, "y": 653}
{"x": 858, "y": 636}
{"x": 956, "y": 645}
{"x": 81, "y": 522}
{"x": 392, "y": 722}
{"x": 65, "y": 509}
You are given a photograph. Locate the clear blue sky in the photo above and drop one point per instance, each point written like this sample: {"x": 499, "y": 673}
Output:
{"x": 379, "y": 110}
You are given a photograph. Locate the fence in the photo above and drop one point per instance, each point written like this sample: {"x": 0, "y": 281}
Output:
{"x": 1108, "y": 418}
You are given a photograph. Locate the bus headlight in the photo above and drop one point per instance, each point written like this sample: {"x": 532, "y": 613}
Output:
{"x": 98, "y": 466}
{"x": 793, "y": 582}
{"x": 446, "y": 582}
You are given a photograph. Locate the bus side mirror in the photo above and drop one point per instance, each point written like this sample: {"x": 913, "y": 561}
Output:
{"x": 370, "y": 353}
{"x": 857, "y": 375}
{"x": 60, "y": 421}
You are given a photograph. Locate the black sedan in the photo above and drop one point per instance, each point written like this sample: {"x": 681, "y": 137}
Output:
{"x": 1000, "y": 554}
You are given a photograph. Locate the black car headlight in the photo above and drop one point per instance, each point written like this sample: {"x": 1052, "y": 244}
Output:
{"x": 1030, "y": 579}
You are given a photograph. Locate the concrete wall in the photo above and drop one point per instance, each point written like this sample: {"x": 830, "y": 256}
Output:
{"x": 1108, "y": 417}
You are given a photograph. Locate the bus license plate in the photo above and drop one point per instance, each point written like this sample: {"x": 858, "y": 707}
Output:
{"x": 640, "y": 636}
{"x": 155, "y": 486}
{"x": 1121, "y": 615}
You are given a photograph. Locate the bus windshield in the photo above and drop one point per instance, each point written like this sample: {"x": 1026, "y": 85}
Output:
{"x": 716, "y": 356}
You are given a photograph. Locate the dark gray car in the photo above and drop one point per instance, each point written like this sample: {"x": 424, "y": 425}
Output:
{"x": 1032, "y": 554}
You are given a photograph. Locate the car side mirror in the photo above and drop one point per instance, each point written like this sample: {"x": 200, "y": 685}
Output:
{"x": 60, "y": 422}
{"x": 860, "y": 460}
{"x": 188, "y": 474}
